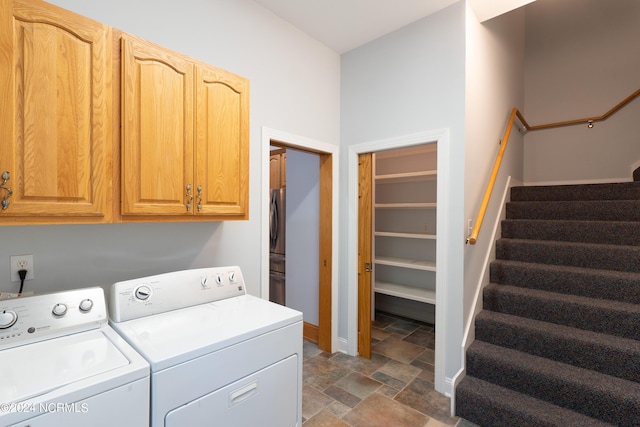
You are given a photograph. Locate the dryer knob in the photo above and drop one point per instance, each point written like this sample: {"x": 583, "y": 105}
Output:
{"x": 204, "y": 281}
{"x": 218, "y": 279}
{"x": 143, "y": 293}
{"x": 86, "y": 305}
{"x": 232, "y": 277}
{"x": 8, "y": 319}
{"x": 59, "y": 310}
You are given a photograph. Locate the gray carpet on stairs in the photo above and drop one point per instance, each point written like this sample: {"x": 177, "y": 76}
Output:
{"x": 558, "y": 340}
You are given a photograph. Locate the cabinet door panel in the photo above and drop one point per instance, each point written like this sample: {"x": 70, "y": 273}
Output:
{"x": 157, "y": 130}
{"x": 59, "y": 149}
{"x": 222, "y": 141}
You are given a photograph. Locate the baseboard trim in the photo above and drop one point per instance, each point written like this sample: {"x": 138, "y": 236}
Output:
{"x": 310, "y": 332}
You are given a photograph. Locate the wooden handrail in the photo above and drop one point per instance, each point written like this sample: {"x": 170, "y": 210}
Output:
{"x": 473, "y": 237}
{"x": 588, "y": 120}
{"x": 494, "y": 174}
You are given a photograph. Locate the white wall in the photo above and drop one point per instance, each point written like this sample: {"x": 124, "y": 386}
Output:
{"x": 494, "y": 85}
{"x": 412, "y": 81}
{"x": 583, "y": 57}
{"x": 295, "y": 87}
{"x": 303, "y": 238}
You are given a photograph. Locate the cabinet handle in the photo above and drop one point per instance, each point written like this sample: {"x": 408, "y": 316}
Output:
{"x": 199, "y": 197}
{"x": 189, "y": 197}
{"x": 5, "y": 201}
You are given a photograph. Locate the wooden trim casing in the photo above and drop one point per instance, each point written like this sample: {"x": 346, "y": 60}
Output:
{"x": 326, "y": 243}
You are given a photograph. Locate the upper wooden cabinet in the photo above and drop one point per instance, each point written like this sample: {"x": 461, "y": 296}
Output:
{"x": 55, "y": 134}
{"x": 185, "y": 136}
{"x": 157, "y": 129}
{"x": 278, "y": 168}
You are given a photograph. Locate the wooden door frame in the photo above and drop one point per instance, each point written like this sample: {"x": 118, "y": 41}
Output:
{"x": 355, "y": 305}
{"x": 328, "y": 250}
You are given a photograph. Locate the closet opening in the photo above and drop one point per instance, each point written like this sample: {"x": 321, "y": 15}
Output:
{"x": 397, "y": 245}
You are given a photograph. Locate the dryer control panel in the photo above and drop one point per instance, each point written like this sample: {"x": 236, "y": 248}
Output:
{"x": 34, "y": 318}
{"x": 150, "y": 295}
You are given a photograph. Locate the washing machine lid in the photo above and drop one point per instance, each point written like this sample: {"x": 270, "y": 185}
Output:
{"x": 35, "y": 369}
{"x": 174, "y": 337}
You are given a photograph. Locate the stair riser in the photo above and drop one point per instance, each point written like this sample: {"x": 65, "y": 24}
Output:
{"x": 615, "y": 191}
{"x": 596, "y": 356}
{"x": 615, "y": 408}
{"x": 618, "y": 210}
{"x": 594, "y": 318}
{"x": 607, "y": 257}
{"x": 615, "y": 286}
{"x": 615, "y": 233}
{"x": 489, "y": 405}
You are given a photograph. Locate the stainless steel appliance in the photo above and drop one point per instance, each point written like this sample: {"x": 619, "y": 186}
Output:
{"x": 277, "y": 264}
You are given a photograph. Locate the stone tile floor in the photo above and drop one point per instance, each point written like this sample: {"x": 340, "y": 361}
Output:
{"x": 394, "y": 388}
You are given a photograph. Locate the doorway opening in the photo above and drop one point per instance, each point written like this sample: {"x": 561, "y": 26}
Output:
{"x": 397, "y": 236}
{"x": 360, "y": 292}
{"x": 297, "y": 149}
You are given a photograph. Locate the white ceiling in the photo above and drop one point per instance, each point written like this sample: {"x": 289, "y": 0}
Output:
{"x": 343, "y": 25}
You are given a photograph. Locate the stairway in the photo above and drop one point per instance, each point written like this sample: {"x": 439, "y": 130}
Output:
{"x": 558, "y": 340}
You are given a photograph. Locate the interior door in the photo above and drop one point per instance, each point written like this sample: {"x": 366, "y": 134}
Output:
{"x": 365, "y": 264}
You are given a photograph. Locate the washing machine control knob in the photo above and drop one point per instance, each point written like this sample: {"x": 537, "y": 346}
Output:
{"x": 143, "y": 292}
{"x": 86, "y": 305}
{"x": 218, "y": 279}
{"x": 204, "y": 281}
{"x": 8, "y": 319}
{"x": 59, "y": 310}
{"x": 232, "y": 277}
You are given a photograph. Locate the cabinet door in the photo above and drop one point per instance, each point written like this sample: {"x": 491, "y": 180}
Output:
{"x": 222, "y": 143}
{"x": 274, "y": 171}
{"x": 55, "y": 138}
{"x": 157, "y": 130}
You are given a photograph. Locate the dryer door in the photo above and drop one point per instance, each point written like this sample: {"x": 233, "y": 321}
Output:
{"x": 266, "y": 398}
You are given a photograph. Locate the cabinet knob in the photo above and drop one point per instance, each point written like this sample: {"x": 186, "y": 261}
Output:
{"x": 5, "y": 199}
{"x": 199, "y": 197}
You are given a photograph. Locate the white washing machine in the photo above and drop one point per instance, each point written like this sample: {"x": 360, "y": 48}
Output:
{"x": 218, "y": 356}
{"x": 62, "y": 365}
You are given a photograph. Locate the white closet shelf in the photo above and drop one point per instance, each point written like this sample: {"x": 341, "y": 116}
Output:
{"x": 405, "y": 205}
{"x": 406, "y": 235}
{"x": 406, "y": 263}
{"x": 406, "y": 177}
{"x": 407, "y": 292}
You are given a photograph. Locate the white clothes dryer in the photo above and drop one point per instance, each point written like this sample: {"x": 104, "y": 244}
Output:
{"x": 218, "y": 356}
{"x": 62, "y": 365}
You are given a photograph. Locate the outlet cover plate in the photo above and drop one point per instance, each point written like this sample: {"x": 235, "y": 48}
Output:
{"x": 15, "y": 261}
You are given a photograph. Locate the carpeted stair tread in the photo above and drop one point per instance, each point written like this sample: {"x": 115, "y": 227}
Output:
{"x": 490, "y": 405}
{"x": 579, "y": 210}
{"x": 596, "y": 395}
{"x": 593, "y": 283}
{"x": 604, "y": 316}
{"x": 585, "y": 349}
{"x": 560, "y": 325}
{"x": 607, "y": 191}
{"x": 606, "y": 232}
{"x": 585, "y": 255}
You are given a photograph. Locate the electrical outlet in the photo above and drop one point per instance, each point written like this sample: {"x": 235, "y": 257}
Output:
{"x": 21, "y": 262}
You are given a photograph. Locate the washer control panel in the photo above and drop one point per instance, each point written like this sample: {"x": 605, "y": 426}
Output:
{"x": 34, "y": 318}
{"x": 150, "y": 295}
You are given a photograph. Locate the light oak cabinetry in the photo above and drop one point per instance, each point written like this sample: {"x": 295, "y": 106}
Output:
{"x": 278, "y": 168}
{"x": 185, "y": 136}
{"x": 99, "y": 126}
{"x": 55, "y": 134}
{"x": 405, "y": 197}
